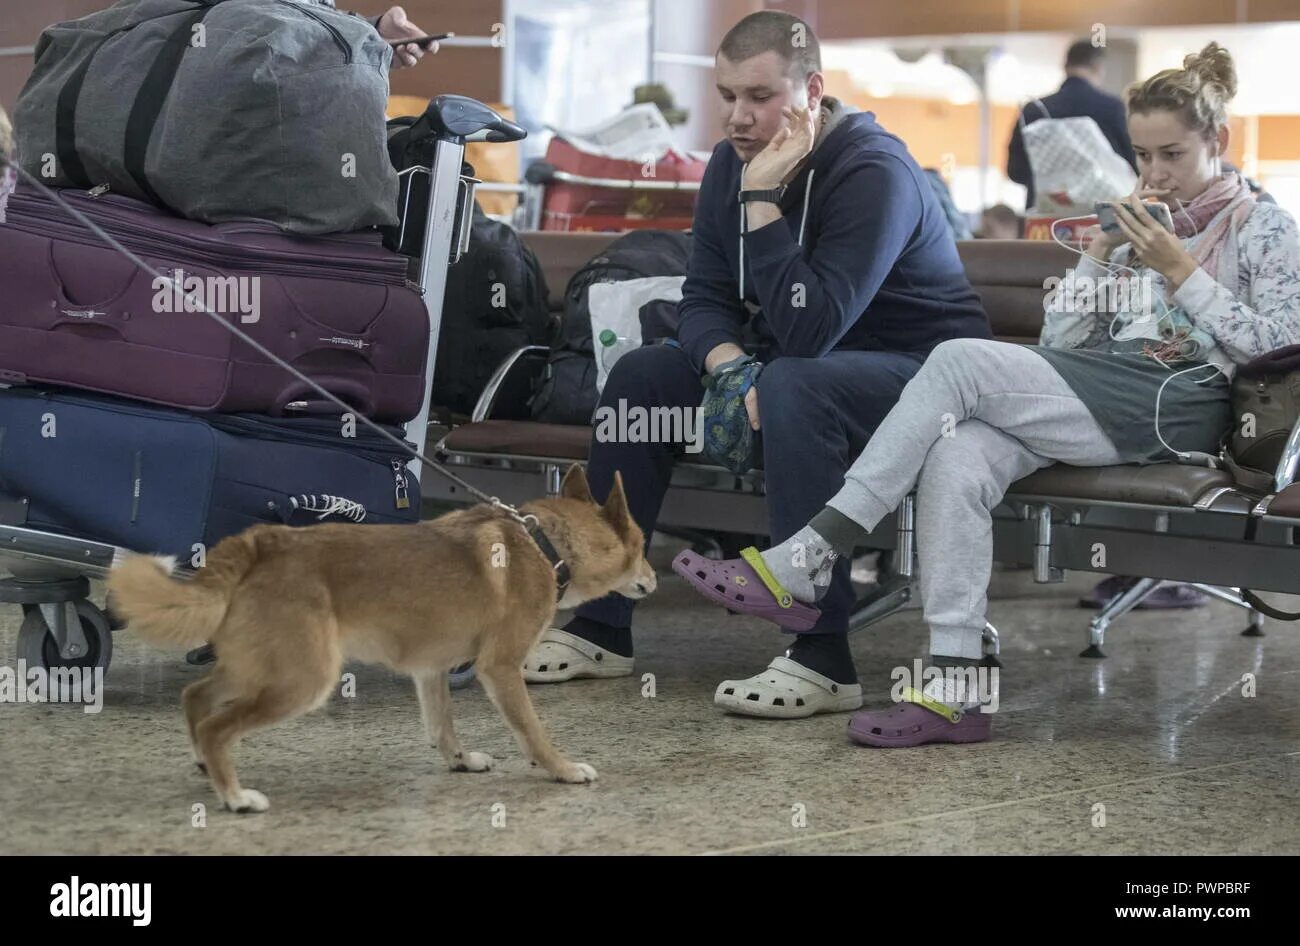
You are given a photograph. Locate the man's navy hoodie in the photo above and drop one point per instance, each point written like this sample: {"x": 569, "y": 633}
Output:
{"x": 877, "y": 269}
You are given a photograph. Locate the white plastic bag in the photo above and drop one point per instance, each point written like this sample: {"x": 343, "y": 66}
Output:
{"x": 1074, "y": 165}
{"x": 631, "y": 135}
{"x": 617, "y": 306}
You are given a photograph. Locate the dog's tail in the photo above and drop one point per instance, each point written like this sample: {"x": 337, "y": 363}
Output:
{"x": 172, "y": 612}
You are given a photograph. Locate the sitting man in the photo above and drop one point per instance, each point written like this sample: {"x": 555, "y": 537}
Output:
{"x": 816, "y": 232}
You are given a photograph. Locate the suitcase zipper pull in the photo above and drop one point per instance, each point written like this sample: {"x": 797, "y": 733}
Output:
{"x": 403, "y": 499}
{"x": 98, "y": 190}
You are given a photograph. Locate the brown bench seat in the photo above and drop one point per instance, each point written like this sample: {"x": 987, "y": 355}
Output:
{"x": 1161, "y": 484}
{"x": 1010, "y": 277}
{"x": 519, "y": 438}
{"x": 1166, "y": 484}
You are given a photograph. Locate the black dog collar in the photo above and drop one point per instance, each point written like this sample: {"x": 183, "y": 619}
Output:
{"x": 558, "y": 565}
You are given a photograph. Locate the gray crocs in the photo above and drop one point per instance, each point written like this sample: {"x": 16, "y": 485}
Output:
{"x": 787, "y": 690}
{"x": 561, "y": 656}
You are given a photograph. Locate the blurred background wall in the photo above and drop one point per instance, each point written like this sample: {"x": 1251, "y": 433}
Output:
{"x": 947, "y": 77}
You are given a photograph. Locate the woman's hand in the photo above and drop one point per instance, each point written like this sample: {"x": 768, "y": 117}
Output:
{"x": 1152, "y": 243}
{"x": 772, "y": 166}
{"x": 1101, "y": 244}
{"x": 1104, "y": 244}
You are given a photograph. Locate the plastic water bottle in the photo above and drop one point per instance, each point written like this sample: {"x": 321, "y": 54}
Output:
{"x": 613, "y": 347}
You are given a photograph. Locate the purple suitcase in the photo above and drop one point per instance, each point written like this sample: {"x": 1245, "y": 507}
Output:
{"x": 74, "y": 311}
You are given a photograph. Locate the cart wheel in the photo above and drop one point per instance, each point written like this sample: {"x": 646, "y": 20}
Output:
{"x": 38, "y": 648}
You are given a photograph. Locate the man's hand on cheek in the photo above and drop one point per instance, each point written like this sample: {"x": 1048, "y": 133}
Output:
{"x": 774, "y": 165}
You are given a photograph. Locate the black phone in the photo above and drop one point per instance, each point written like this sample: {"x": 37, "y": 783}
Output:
{"x": 1105, "y": 211}
{"x": 421, "y": 41}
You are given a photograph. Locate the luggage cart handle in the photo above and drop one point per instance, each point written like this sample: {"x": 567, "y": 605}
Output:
{"x": 458, "y": 118}
{"x": 448, "y": 121}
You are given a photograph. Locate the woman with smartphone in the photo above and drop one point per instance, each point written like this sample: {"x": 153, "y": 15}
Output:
{"x": 1154, "y": 333}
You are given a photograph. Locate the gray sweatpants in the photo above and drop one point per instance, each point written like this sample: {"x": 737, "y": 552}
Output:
{"x": 978, "y": 416}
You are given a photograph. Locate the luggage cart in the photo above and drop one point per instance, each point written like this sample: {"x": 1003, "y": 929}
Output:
{"x": 49, "y": 573}
{"x": 602, "y": 215}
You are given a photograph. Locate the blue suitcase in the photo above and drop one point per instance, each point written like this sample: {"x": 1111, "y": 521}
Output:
{"x": 164, "y": 481}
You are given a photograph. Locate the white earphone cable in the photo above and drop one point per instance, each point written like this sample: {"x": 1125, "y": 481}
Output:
{"x": 1110, "y": 330}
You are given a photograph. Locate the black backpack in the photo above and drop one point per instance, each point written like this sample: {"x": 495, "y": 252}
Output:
{"x": 1265, "y": 405}
{"x": 567, "y": 394}
{"x": 496, "y": 296}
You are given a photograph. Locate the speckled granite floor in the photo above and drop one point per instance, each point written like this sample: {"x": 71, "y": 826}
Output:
{"x": 1159, "y": 734}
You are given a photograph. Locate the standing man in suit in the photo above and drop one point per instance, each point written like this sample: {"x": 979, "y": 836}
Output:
{"x": 1080, "y": 95}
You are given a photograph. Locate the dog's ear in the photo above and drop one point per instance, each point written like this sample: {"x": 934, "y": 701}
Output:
{"x": 615, "y": 508}
{"x": 575, "y": 485}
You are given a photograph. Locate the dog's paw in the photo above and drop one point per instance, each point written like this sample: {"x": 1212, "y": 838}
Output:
{"x": 248, "y": 801}
{"x": 472, "y": 762}
{"x": 576, "y": 773}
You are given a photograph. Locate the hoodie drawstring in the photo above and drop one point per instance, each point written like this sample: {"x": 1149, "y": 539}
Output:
{"x": 803, "y": 221}
{"x": 807, "y": 193}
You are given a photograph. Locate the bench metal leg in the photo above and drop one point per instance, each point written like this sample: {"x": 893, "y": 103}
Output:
{"x": 896, "y": 590}
{"x": 1233, "y": 596}
{"x": 905, "y": 553}
{"x": 890, "y": 596}
{"x": 1230, "y": 595}
{"x": 1044, "y": 570}
{"x": 1256, "y": 626}
{"x": 554, "y": 475}
{"x": 1115, "y": 609}
{"x": 992, "y": 646}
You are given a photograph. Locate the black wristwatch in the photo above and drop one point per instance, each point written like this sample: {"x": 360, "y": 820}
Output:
{"x": 773, "y": 196}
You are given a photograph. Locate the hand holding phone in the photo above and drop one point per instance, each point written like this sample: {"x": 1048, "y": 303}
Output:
{"x": 1148, "y": 228}
{"x": 421, "y": 41}
{"x": 1105, "y": 211}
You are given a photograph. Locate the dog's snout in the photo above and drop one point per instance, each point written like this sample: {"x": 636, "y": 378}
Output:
{"x": 646, "y": 585}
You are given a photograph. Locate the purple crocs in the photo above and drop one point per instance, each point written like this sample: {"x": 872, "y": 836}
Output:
{"x": 735, "y": 585}
{"x": 906, "y": 725}
{"x": 1170, "y": 597}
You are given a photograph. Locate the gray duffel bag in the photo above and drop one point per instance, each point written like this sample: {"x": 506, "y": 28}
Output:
{"x": 217, "y": 110}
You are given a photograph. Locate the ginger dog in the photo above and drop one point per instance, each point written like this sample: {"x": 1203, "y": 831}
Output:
{"x": 285, "y": 607}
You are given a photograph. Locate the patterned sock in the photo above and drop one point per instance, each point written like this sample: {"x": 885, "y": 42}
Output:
{"x": 803, "y": 564}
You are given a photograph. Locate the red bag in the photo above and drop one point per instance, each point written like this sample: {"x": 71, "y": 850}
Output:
{"x": 621, "y": 206}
